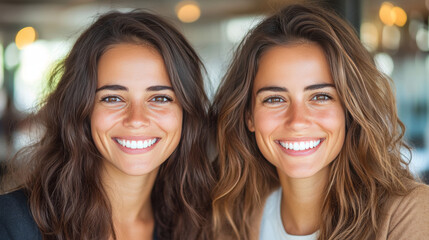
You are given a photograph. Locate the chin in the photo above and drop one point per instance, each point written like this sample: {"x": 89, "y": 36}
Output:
{"x": 298, "y": 172}
{"x": 140, "y": 171}
{"x": 134, "y": 168}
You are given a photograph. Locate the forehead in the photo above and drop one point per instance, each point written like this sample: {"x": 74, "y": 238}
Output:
{"x": 132, "y": 64}
{"x": 297, "y": 64}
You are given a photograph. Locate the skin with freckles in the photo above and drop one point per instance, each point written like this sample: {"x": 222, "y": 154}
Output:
{"x": 299, "y": 126}
{"x": 309, "y": 138}
{"x": 136, "y": 125}
{"x": 125, "y": 131}
{"x": 294, "y": 101}
{"x": 135, "y": 101}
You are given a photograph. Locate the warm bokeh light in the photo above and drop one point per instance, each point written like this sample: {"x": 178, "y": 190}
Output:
{"x": 25, "y": 37}
{"x": 35, "y": 63}
{"x": 390, "y": 37}
{"x": 387, "y": 16}
{"x": 400, "y": 16}
{"x": 390, "y": 14}
{"x": 188, "y": 11}
{"x": 369, "y": 36}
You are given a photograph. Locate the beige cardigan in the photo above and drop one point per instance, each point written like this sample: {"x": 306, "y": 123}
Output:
{"x": 406, "y": 217}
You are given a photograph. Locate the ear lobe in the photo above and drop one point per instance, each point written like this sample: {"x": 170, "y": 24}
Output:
{"x": 249, "y": 122}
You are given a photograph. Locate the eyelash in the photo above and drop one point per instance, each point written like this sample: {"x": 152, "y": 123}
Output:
{"x": 280, "y": 99}
{"x": 116, "y": 99}
{"x": 161, "y": 99}
{"x": 326, "y": 96}
{"x": 273, "y": 99}
{"x": 108, "y": 99}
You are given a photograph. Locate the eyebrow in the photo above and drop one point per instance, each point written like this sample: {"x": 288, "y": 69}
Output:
{"x": 319, "y": 86}
{"x": 112, "y": 87}
{"x": 123, "y": 88}
{"x": 159, "y": 88}
{"x": 283, "y": 89}
{"x": 272, "y": 89}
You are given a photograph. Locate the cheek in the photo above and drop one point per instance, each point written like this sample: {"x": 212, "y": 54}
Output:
{"x": 333, "y": 121}
{"x": 331, "y": 117}
{"x": 170, "y": 120}
{"x": 266, "y": 121}
{"x": 103, "y": 119}
{"x": 100, "y": 123}
{"x": 97, "y": 122}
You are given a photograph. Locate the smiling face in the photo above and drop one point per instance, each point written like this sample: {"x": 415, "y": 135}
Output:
{"x": 297, "y": 116}
{"x": 136, "y": 122}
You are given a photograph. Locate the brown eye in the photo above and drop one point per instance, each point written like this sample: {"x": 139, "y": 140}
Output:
{"x": 161, "y": 99}
{"x": 321, "y": 97}
{"x": 274, "y": 100}
{"x": 111, "y": 99}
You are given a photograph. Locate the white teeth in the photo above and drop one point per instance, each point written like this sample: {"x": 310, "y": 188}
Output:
{"x": 140, "y": 144}
{"x": 300, "y": 146}
{"x": 295, "y": 146}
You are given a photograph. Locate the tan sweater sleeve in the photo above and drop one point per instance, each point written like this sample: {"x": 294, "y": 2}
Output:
{"x": 408, "y": 216}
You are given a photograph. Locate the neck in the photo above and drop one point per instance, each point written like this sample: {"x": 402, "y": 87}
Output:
{"x": 129, "y": 196}
{"x": 301, "y": 202}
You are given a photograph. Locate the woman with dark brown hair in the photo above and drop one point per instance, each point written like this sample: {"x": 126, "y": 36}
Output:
{"x": 122, "y": 151}
{"x": 310, "y": 144}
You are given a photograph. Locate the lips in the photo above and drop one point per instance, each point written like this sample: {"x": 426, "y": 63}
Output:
{"x": 136, "y": 143}
{"x": 300, "y": 145}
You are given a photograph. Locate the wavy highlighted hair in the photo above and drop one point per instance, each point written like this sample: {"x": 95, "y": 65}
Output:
{"x": 369, "y": 167}
{"x": 66, "y": 194}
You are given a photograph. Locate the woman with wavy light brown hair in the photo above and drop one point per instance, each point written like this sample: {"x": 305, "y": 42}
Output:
{"x": 122, "y": 153}
{"x": 309, "y": 139}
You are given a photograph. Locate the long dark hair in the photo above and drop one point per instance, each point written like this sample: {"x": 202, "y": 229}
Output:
{"x": 369, "y": 168}
{"x": 66, "y": 195}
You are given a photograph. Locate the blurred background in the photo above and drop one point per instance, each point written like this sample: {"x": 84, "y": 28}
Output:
{"x": 36, "y": 34}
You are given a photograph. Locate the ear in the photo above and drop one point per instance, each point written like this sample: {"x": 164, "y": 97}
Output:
{"x": 249, "y": 122}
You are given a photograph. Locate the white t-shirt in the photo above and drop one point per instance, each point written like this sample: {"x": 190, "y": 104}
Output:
{"x": 272, "y": 226}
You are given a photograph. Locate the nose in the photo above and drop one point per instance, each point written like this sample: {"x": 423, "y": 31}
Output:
{"x": 298, "y": 116}
{"x": 136, "y": 116}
